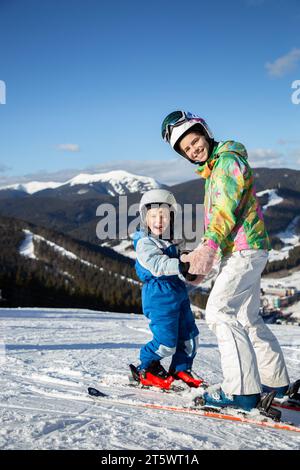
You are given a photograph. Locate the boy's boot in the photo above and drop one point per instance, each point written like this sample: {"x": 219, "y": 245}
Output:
{"x": 189, "y": 377}
{"x": 153, "y": 376}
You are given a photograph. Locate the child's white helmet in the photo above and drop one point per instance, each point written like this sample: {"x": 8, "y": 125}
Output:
{"x": 156, "y": 196}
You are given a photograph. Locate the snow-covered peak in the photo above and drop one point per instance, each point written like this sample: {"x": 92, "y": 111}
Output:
{"x": 120, "y": 182}
{"x": 33, "y": 186}
{"x": 113, "y": 183}
{"x": 86, "y": 178}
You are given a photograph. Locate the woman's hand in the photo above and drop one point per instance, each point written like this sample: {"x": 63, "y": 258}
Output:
{"x": 201, "y": 259}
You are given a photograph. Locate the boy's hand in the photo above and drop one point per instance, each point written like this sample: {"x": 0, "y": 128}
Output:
{"x": 184, "y": 269}
{"x": 201, "y": 259}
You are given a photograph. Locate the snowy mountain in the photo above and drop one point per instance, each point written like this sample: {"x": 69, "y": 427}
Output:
{"x": 53, "y": 355}
{"x": 116, "y": 182}
{"x": 112, "y": 183}
{"x": 31, "y": 187}
{"x": 71, "y": 207}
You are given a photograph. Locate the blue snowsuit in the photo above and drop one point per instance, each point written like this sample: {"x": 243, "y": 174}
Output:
{"x": 165, "y": 303}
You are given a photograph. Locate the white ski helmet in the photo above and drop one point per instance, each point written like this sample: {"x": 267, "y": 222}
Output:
{"x": 156, "y": 196}
{"x": 177, "y": 123}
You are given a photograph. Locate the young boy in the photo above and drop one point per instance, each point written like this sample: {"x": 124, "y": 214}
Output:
{"x": 164, "y": 296}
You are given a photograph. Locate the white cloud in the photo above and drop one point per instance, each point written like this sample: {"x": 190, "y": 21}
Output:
{"x": 265, "y": 157}
{"x": 294, "y": 155}
{"x": 167, "y": 171}
{"x": 69, "y": 147}
{"x": 284, "y": 64}
{"x": 41, "y": 175}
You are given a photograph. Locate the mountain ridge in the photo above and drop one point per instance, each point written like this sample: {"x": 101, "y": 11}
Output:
{"x": 112, "y": 183}
{"x": 63, "y": 209}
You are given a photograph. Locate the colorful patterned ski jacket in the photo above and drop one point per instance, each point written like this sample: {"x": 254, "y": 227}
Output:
{"x": 233, "y": 217}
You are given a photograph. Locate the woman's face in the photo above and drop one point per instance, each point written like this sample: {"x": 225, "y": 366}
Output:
{"x": 195, "y": 146}
{"x": 158, "y": 220}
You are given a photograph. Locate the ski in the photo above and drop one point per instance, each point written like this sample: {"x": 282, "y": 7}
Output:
{"x": 286, "y": 405}
{"x": 177, "y": 390}
{"x": 202, "y": 411}
{"x": 291, "y": 401}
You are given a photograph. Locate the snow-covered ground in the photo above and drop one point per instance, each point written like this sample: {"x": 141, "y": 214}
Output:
{"x": 290, "y": 237}
{"x": 125, "y": 248}
{"x": 273, "y": 198}
{"x": 27, "y": 249}
{"x": 52, "y": 355}
{"x": 292, "y": 280}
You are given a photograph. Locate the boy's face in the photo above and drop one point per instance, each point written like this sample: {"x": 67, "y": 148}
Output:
{"x": 158, "y": 220}
{"x": 195, "y": 146}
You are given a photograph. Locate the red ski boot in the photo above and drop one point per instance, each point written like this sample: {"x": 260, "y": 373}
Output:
{"x": 187, "y": 377}
{"x": 154, "y": 376}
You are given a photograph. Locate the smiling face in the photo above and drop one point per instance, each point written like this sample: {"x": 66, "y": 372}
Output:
{"x": 158, "y": 220}
{"x": 195, "y": 147}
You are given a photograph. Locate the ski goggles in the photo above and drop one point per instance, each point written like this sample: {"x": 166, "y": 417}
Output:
{"x": 177, "y": 118}
{"x": 172, "y": 120}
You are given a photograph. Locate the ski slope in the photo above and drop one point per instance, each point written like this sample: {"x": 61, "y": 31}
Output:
{"x": 53, "y": 355}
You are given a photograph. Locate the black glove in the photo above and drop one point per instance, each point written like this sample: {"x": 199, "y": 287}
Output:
{"x": 184, "y": 267}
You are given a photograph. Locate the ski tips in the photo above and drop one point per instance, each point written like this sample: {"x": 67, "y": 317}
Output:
{"x": 96, "y": 393}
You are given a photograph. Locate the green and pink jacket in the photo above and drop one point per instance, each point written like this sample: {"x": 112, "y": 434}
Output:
{"x": 233, "y": 217}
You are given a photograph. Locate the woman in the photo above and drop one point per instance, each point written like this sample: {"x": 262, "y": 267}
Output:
{"x": 251, "y": 357}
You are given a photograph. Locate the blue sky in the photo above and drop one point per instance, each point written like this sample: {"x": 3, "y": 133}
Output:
{"x": 88, "y": 83}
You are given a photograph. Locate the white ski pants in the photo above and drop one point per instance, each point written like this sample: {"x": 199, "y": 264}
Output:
{"x": 250, "y": 353}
